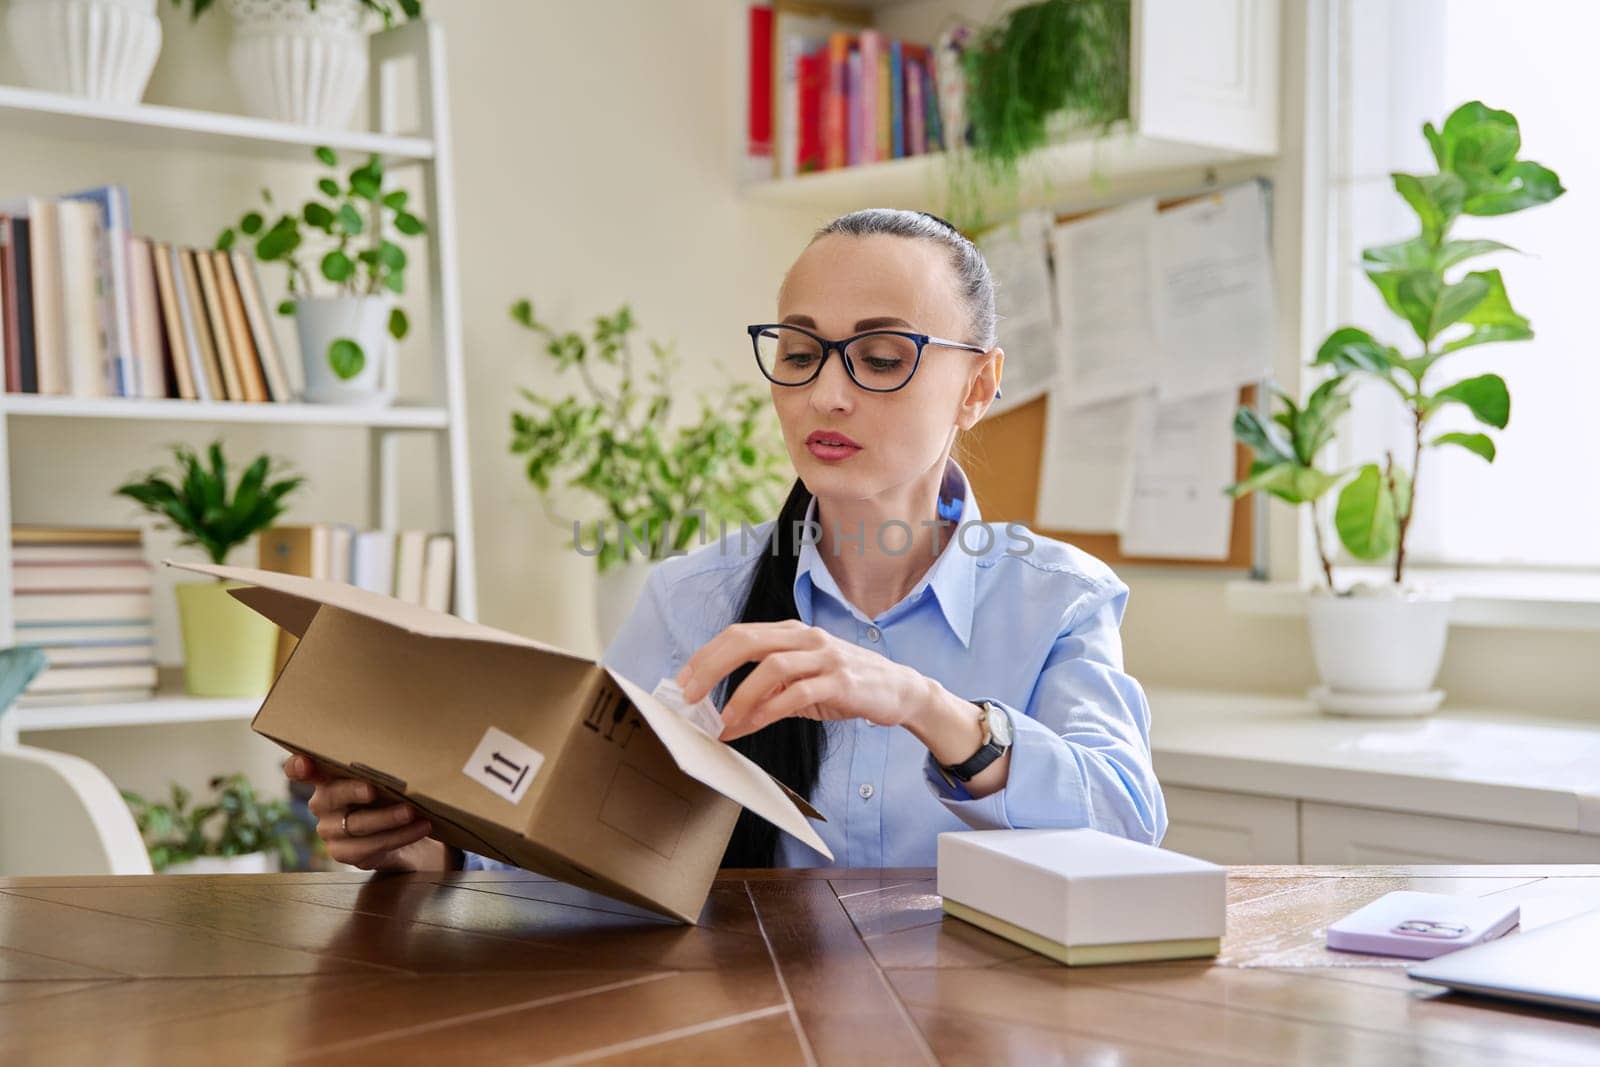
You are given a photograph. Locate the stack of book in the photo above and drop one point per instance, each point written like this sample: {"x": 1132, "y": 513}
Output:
{"x": 83, "y": 596}
{"x": 827, "y": 90}
{"x": 89, "y": 309}
{"x": 413, "y": 565}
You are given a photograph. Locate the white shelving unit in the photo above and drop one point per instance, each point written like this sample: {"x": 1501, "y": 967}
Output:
{"x": 418, "y": 46}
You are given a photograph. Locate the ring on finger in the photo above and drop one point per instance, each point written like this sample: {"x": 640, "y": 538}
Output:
{"x": 344, "y": 824}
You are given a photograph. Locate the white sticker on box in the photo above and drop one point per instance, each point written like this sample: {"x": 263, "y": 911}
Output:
{"x": 503, "y": 765}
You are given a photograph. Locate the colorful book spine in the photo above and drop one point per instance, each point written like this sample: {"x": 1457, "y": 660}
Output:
{"x": 835, "y": 103}
{"x": 813, "y": 76}
{"x": 866, "y": 99}
{"x": 855, "y": 134}
{"x": 916, "y": 118}
{"x": 897, "y": 96}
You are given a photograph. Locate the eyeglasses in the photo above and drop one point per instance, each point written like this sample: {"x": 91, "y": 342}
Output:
{"x": 879, "y": 361}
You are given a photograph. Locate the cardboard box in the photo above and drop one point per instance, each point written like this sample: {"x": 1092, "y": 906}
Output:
{"x": 1083, "y": 896}
{"x": 515, "y": 749}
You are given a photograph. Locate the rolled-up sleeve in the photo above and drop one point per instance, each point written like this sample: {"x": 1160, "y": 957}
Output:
{"x": 1080, "y": 754}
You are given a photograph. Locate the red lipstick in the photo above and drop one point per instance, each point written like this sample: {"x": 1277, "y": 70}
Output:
{"x": 830, "y": 446}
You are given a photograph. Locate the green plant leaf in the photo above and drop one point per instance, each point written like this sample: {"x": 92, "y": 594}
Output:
{"x": 396, "y": 201}
{"x": 346, "y": 358}
{"x": 1352, "y": 349}
{"x": 1524, "y": 184}
{"x": 408, "y": 224}
{"x": 1492, "y": 319}
{"x": 1478, "y": 443}
{"x": 1427, "y": 303}
{"x": 327, "y": 156}
{"x": 337, "y": 267}
{"x": 1486, "y": 396}
{"x": 286, "y": 307}
{"x": 399, "y": 325}
{"x": 328, "y": 187}
{"x": 1267, "y": 440}
{"x": 350, "y": 220}
{"x": 392, "y": 256}
{"x": 1365, "y": 515}
{"x": 1436, "y": 198}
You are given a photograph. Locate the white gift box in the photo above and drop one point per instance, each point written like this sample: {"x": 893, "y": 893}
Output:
{"x": 1082, "y": 896}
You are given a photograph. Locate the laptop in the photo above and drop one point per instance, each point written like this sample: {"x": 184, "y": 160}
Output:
{"x": 1553, "y": 964}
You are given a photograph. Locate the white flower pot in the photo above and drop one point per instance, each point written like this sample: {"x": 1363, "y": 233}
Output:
{"x": 249, "y": 863}
{"x": 102, "y": 49}
{"x": 1378, "y": 650}
{"x": 616, "y": 591}
{"x": 295, "y": 64}
{"x": 319, "y": 321}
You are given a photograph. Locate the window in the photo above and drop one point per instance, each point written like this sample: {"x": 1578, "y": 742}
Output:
{"x": 1395, "y": 66}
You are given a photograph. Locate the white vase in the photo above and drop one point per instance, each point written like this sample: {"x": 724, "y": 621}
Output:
{"x": 296, "y": 64}
{"x": 1378, "y": 650}
{"x": 319, "y": 321}
{"x": 616, "y": 591}
{"x": 101, "y": 49}
{"x": 249, "y": 863}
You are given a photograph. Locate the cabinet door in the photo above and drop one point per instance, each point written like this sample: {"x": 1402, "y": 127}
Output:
{"x": 1206, "y": 72}
{"x": 1231, "y": 828}
{"x": 1333, "y": 833}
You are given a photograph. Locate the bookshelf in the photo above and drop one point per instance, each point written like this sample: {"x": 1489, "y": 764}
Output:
{"x": 414, "y": 50}
{"x": 1204, "y": 96}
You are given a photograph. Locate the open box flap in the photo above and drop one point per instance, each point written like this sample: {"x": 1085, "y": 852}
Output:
{"x": 291, "y": 601}
{"x": 725, "y": 769}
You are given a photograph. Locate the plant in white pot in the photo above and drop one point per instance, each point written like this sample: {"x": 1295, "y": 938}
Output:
{"x": 228, "y": 650}
{"x": 101, "y": 49}
{"x": 1378, "y": 646}
{"x": 256, "y": 835}
{"x": 346, "y": 339}
{"x": 660, "y": 488}
{"x": 303, "y": 61}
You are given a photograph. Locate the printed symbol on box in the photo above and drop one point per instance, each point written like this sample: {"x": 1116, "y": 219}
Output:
{"x": 605, "y": 720}
{"x": 503, "y": 765}
{"x": 1430, "y": 928}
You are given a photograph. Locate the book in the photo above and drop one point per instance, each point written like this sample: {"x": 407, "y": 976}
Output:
{"x": 438, "y": 572}
{"x": 36, "y": 534}
{"x": 251, "y": 378}
{"x": 796, "y": 50}
{"x": 81, "y": 679}
{"x": 855, "y": 117}
{"x": 279, "y": 384}
{"x": 373, "y": 568}
{"x": 835, "y": 103}
{"x": 883, "y": 147}
{"x": 177, "y": 334}
{"x": 758, "y": 110}
{"x": 812, "y": 79}
{"x": 61, "y": 577}
{"x": 197, "y": 327}
{"x": 49, "y": 317}
{"x": 30, "y": 699}
{"x": 930, "y": 106}
{"x": 221, "y": 341}
{"x": 10, "y": 351}
{"x": 83, "y": 334}
{"x": 916, "y": 118}
{"x": 27, "y": 374}
{"x": 341, "y": 544}
{"x": 865, "y": 98}
{"x": 122, "y": 371}
{"x": 99, "y": 655}
{"x": 81, "y": 607}
{"x": 897, "y": 100}
{"x": 69, "y": 634}
{"x": 22, "y": 553}
{"x": 409, "y": 559}
{"x": 301, "y": 550}
{"x": 155, "y": 375}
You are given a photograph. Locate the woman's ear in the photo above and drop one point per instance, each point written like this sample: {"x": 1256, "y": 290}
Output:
{"x": 985, "y": 386}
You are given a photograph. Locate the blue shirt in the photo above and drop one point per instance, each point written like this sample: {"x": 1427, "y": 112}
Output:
{"x": 1032, "y": 630}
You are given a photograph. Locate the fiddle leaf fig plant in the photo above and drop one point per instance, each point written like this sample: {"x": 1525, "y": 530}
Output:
{"x": 614, "y": 444}
{"x": 1446, "y": 309}
{"x": 350, "y": 224}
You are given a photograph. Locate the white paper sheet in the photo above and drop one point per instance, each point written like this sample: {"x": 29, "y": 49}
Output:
{"x": 1217, "y": 304}
{"x": 1185, "y": 460}
{"x": 1018, "y": 257}
{"x": 1108, "y": 299}
{"x": 1086, "y": 476}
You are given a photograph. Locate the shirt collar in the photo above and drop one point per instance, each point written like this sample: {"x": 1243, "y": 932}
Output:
{"x": 952, "y": 578}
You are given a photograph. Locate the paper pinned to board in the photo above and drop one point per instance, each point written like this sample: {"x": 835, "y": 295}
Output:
{"x": 1086, "y": 479}
{"x": 1018, "y": 256}
{"x": 1217, "y": 302}
{"x": 702, "y": 714}
{"x": 1109, "y": 302}
{"x": 1185, "y": 461}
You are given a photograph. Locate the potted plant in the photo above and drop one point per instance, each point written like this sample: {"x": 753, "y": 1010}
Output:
{"x": 1030, "y": 77}
{"x": 228, "y": 649}
{"x": 303, "y": 61}
{"x": 656, "y": 486}
{"x": 1378, "y": 646}
{"x": 101, "y": 49}
{"x": 255, "y": 836}
{"x": 346, "y": 339}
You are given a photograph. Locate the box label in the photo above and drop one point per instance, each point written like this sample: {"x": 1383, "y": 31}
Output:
{"x": 503, "y": 765}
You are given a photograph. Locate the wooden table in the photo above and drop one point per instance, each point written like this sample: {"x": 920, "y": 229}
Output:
{"x": 841, "y": 966}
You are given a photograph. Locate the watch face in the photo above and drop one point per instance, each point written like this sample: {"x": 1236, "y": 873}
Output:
{"x": 999, "y": 725}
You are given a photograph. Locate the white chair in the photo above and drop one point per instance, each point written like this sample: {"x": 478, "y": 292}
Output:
{"x": 60, "y": 814}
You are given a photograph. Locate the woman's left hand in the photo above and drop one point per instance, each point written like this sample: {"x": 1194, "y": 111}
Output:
{"x": 803, "y": 671}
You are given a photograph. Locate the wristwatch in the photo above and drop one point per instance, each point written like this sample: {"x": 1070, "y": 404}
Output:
{"x": 996, "y": 739}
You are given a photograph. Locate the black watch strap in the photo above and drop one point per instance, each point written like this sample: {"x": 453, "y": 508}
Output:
{"x": 987, "y": 753}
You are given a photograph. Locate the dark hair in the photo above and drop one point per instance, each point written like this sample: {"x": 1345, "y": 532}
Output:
{"x": 791, "y": 749}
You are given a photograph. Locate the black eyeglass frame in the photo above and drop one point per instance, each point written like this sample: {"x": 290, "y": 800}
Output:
{"x": 922, "y": 341}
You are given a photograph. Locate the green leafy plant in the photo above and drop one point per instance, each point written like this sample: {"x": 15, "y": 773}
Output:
{"x": 1446, "y": 310}
{"x": 1039, "y": 67}
{"x": 353, "y": 253}
{"x": 175, "y": 833}
{"x": 196, "y": 499}
{"x": 391, "y": 11}
{"x": 613, "y": 443}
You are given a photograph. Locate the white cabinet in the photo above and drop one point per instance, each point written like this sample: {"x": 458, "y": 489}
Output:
{"x": 1337, "y": 834}
{"x": 1231, "y": 828}
{"x": 1206, "y": 72}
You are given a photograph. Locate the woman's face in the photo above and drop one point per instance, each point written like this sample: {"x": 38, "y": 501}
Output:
{"x": 843, "y": 285}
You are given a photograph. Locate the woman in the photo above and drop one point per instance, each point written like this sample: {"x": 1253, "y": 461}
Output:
{"x": 907, "y": 667}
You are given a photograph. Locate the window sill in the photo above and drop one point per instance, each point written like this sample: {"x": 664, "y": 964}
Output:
{"x": 1523, "y": 600}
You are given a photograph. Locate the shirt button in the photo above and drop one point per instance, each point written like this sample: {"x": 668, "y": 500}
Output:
{"x": 865, "y": 790}
{"x": 873, "y": 633}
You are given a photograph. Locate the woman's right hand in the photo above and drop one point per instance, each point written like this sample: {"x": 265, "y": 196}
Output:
{"x": 390, "y": 837}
